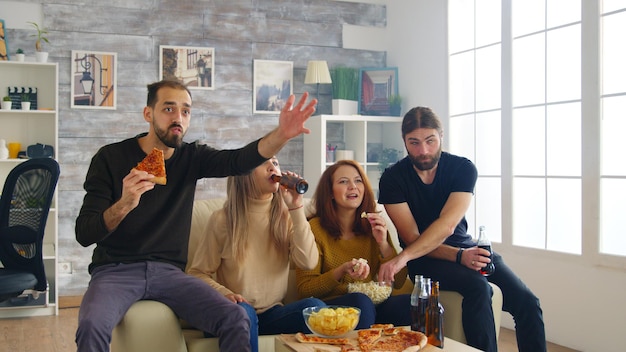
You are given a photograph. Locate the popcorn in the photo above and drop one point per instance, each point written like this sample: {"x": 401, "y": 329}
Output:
{"x": 377, "y": 292}
{"x": 359, "y": 262}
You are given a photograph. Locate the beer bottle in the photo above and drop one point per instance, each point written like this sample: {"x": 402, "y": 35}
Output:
{"x": 422, "y": 305}
{"x": 292, "y": 182}
{"x": 434, "y": 318}
{"x": 417, "y": 285}
{"x": 484, "y": 243}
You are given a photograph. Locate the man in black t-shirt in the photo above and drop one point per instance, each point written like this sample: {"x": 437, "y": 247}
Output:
{"x": 426, "y": 196}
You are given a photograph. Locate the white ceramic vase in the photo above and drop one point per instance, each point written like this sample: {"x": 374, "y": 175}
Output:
{"x": 42, "y": 56}
{"x": 4, "y": 151}
{"x": 6, "y": 105}
{"x": 26, "y": 105}
{"x": 19, "y": 57}
{"x": 345, "y": 107}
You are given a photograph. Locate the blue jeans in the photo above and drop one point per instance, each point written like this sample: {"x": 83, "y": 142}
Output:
{"x": 477, "y": 316}
{"x": 285, "y": 319}
{"x": 395, "y": 310}
{"x": 114, "y": 288}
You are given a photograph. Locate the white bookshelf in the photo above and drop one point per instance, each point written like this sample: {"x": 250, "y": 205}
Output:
{"x": 27, "y": 128}
{"x": 366, "y": 136}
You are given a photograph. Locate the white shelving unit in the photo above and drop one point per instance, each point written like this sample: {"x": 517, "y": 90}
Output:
{"x": 366, "y": 136}
{"x": 29, "y": 127}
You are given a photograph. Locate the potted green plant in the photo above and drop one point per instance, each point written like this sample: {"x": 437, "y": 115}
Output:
{"x": 345, "y": 92}
{"x": 19, "y": 54}
{"x": 25, "y": 101}
{"x": 42, "y": 56}
{"x": 6, "y": 103}
{"x": 395, "y": 104}
{"x": 388, "y": 157}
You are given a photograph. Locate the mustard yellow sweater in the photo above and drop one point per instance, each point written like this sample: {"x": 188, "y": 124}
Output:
{"x": 263, "y": 276}
{"x": 319, "y": 282}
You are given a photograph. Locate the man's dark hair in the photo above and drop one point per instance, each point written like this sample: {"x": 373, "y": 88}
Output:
{"x": 153, "y": 89}
{"x": 420, "y": 117}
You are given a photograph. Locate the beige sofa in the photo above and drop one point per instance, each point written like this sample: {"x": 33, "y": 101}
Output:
{"x": 152, "y": 326}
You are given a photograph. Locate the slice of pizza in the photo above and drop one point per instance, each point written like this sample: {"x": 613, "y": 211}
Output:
{"x": 381, "y": 326}
{"x": 304, "y": 338}
{"x": 154, "y": 164}
{"x": 367, "y": 337}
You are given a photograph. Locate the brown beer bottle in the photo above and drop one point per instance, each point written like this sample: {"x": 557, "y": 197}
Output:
{"x": 296, "y": 183}
{"x": 434, "y": 317}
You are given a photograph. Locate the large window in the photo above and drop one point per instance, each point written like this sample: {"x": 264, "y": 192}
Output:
{"x": 475, "y": 108}
{"x": 613, "y": 103}
{"x": 544, "y": 134}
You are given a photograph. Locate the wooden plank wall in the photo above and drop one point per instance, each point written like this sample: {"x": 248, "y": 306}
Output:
{"x": 239, "y": 30}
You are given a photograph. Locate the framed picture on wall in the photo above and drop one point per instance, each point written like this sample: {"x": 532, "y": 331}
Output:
{"x": 192, "y": 66}
{"x": 93, "y": 80}
{"x": 376, "y": 86}
{"x": 4, "y": 46}
{"x": 272, "y": 86}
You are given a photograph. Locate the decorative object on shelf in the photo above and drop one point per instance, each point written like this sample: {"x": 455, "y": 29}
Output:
{"x": 14, "y": 149}
{"x": 6, "y": 103}
{"x": 272, "y": 86}
{"x": 376, "y": 85}
{"x": 388, "y": 157}
{"x": 39, "y": 151}
{"x": 395, "y": 105}
{"x": 344, "y": 155}
{"x": 19, "y": 55}
{"x": 193, "y": 66}
{"x": 25, "y": 101}
{"x": 317, "y": 73}
{"x": 17, "y": 94}
{"x": 4, "y": 46}
{"x": 94, "y": 79}
{"x": 330, "y": 153}
{"x": 4, "y": 151}
{"x": 345, "y": 90}
{"x": 42, "y": 56}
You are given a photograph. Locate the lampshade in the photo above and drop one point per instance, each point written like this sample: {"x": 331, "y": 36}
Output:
{"x": 317, "y": 72}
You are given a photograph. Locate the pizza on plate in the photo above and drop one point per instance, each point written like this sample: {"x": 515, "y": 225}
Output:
{"x": 154, "y": 164}
{"x": 367, "y": 337}
{"x": 402, "y": 341}
{"x": 304, "y": 338}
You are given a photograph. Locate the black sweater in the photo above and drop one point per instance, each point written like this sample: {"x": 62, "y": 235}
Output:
{"x": 158, "y": 229}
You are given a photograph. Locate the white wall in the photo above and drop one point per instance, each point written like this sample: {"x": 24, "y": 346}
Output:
{"x": 584, "y": 305}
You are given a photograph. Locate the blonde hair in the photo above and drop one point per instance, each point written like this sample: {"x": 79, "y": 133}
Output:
{"x": 240, "y": 190}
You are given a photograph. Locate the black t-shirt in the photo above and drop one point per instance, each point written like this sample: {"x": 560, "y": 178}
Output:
{"x": 158, "y": 228}
{"x": 400, "y": 183}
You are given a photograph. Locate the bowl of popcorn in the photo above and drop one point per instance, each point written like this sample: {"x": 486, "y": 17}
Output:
{"x": 378, "y": 292}
{"x": 331, "y": 321}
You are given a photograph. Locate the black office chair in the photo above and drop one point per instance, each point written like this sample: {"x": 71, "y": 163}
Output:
{"x": 24, "y": 206}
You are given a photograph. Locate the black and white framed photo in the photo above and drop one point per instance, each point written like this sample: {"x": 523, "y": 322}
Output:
{"x": 376, "y": 87}
{"x": 192, "y": 66}
{"x": 93, "y": 80}
{"x": 272, "y": 85}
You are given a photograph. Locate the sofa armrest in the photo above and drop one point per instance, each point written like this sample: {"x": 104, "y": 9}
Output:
{"x": 148, "y": 326}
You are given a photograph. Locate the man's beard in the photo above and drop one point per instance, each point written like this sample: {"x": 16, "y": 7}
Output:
{"x": 426, "y": 164}
{"x": 172, "y": 141}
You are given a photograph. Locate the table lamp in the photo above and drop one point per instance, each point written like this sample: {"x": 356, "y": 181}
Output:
{"x": 317, "y": 72}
